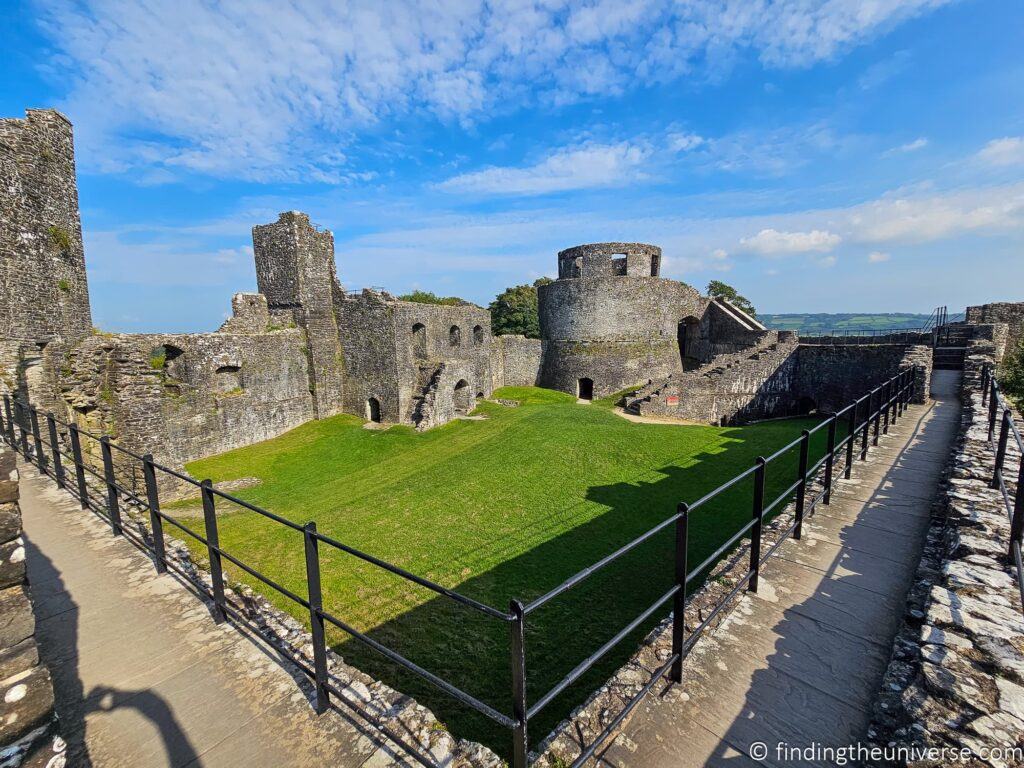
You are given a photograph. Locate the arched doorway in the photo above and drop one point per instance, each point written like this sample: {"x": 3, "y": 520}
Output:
{"x": 478, "y": 334}
{"x": 462, "y": 397}
{"x": 805, "y": 405}
{"x": 455, "y": 336}
{"x": 373, "y": 410}
{"x": 419, "y": 340}
{"x": 585, "y": 389}
{"x": 688, "y": 336}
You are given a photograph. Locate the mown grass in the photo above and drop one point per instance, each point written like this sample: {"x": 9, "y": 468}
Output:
{"x": 503, "y": 508}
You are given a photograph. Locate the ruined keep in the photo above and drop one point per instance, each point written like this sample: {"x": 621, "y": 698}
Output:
{"x": 304, "y": 348}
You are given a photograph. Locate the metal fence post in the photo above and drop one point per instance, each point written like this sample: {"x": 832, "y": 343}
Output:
{"x": 316, "y": 619}
{"x": 993, "y": 409}
{"x": 156, "y": 523}
{"x": 851, "y": 430}
{"x": 984, "y": 384}
{"x": 37, "y": 439}
{"x": 1017, "y": 521}
{"x": 758, "y": 515}
{"x": 679, "y": 602}
{"x": 830, "y": 458}
{"x": 801, "y": 490}
{"x": 887, "y": 400}
{"x": 1004, "y": 433}
{"x": 76, "y": 455}
{"x": 58, "y": 464}
{"x": 894, "y": 417}
{"x": 10, "y": 420}
{"x": 22, "y": 418}
{"x": 877, "y": 426}
{"x": 865, "y": 428}
{"x": 520, "y": 743}
{"x": 213, "y": 549}
{"x": 113, "y": 504}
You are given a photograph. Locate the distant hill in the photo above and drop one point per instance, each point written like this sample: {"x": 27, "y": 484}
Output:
{"x": 842, "y": 321}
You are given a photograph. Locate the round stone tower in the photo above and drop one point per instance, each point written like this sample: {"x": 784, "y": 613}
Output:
{"x": 610, "y": 321}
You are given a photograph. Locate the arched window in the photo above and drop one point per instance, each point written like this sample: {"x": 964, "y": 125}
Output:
{"x": 455, "y": 336}
{"x": 373, "y": 410}
{"x": 419, "y": 340}
{"x": 463, "y": 397}
{"x": 478, "y": 334}
{"x": 585, "y": 389}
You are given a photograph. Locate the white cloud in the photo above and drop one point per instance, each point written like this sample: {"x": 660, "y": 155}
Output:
{"x": 770, "y": 242}
{"x": 596, "y": 165}
{"x": 270, "y": 89}
{"x": 827, "y": 261}
{"x": 1002, "y": 152}
{"x": 684, "y": 142}
{"x": 877, "y": 257}
{"x": 910, "y": 146}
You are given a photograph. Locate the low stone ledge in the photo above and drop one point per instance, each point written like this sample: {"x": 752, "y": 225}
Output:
{"x": 956, "y": 674}
{"x": 29, "y": 734}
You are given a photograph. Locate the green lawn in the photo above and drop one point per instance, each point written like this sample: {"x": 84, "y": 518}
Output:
{"x": 503, "y": 508}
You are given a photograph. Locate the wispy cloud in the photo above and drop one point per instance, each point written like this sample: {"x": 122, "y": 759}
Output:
{"x": 1003, "y": 152}
{"x": 277, "y": 89}
{"x": 586, "y": 167}
{"x": 878, "y": 257}
{"x": 910, "y": 146}
{"x": 770, "y": 242}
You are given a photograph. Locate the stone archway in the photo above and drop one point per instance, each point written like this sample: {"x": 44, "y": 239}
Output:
{"x": 585, "y": 389}
{"x": 373, "y": 410}
{"x": 688, "y": 336}
{"x": 462, "y": 397}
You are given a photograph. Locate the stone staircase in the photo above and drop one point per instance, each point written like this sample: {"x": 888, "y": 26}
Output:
{"x": 705, "y": 377}
{"x": 428, "y": 379}
{"x": 951, "y": 346}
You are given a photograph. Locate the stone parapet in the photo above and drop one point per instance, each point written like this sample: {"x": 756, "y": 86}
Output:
{"x": 28, "y": 726}
{"x": 956, "y": 675}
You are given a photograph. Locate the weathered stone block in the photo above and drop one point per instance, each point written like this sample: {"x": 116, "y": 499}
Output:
{"x": 18, "y": 658}
{"x": 17, "y": 621}
{"x": 10, "y": 522}
{"x": 12, "y": 563}
{"x": 8, "y": 476}
{"x": 26, "y": 703}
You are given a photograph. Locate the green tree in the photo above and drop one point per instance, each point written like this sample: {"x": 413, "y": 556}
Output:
{"x": 426, "y": 297}
{"x": 719, "y": 290}
{"x": 1011, "y": 378}
{"x": 514, "y": 311}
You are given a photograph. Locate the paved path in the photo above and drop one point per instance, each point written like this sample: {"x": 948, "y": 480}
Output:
{"x": 142, "y": 675}
{"x": 803, "y": 660}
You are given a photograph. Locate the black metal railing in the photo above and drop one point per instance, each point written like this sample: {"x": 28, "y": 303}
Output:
{"x": 1000, "y": 412}
{"x": 102, "y": 485}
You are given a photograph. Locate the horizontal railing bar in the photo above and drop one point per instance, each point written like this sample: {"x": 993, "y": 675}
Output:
{"x": 617, "y": 720}
{"x": 164, "y": 516}
{"x": 265, "y": 579}
{"x": 783, "y": 449}
{"x": 581, "y": 575}
{"x": 721, "y": 550}
{"x": 723, "y": 487}
{"x": 444, "y": 685}
{"x": 179, "y": 475}
{"x": 581, "y": 669}
{"x": 781, "y": 540}
{"x": 695, "y": 634}
{"x": 459, "y": 598}
{"x": 781, "y": 497}
{"x": 258, "y": 510}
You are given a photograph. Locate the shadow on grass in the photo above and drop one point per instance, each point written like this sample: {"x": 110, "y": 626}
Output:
{"x": 471, "y": 650}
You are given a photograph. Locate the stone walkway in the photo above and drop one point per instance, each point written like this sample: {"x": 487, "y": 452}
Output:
{"x": 142, "y": 675}
{"x": 802, "y": 660}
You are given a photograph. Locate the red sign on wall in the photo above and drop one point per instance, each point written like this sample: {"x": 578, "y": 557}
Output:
{"x": 672, "y": 400}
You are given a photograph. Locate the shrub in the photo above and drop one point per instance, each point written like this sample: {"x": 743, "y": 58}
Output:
{"x": 1011, "y": 378}
{"x": 426, "y": 297}
{"x": 59, "y": 237}
{"x": 64, "y": 285}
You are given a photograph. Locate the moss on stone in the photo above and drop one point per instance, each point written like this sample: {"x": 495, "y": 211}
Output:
{"x": 59, "y": 237}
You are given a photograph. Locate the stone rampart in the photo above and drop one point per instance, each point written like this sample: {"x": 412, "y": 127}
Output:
{"x": 1009, "y": 313}
{"x": 515, "y": 361}
{"x": 28, "y": 725}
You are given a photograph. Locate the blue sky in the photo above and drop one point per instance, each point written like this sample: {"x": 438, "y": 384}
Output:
{"x": 820, "y": 156}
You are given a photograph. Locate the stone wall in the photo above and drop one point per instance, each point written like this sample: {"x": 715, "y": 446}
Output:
{"x": 515, "y": 361}
{"x": 833, "y": 376}
{"x": 44, "y": 297}
{"x": 28, "y": 725}
{"x": 956, "y": 675}
{"x": 1010, "y": 313}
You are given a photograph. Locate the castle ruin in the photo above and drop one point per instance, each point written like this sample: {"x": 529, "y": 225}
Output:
{"x": 304, "y": 348}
